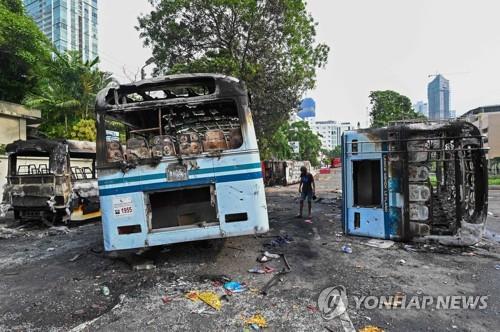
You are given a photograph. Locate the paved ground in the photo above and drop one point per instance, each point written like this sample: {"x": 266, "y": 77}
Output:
{"x": 53, "y": 281}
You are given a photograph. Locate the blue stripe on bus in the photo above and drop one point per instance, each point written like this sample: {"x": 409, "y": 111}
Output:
{"x": 178, "y": 184}
{"x": 158, "y": 176}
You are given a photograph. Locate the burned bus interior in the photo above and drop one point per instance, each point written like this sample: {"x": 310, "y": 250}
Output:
{"x": 171, "y": 119}
{"x": 49, "y": 180}
{"x": 416, "y": 180}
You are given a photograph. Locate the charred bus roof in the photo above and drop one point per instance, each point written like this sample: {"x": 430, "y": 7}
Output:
{"x": 166, "y": 90}
{"x": 44, "y": 147}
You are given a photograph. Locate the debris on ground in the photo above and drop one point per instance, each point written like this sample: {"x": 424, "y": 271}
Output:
{"x": 74, "y": 258}
{"x": 378, "y": 243}
{"x": 347, "y": 249}
{"x": 211, "y": 299}
{"x": 263, "y": 270}
{"x": 105, "y": 291}
{"x": 235, "y": 287}
{"x": 371, "y": 328}
{"x": 257, "y": 320}
{"x": 165, "y": 299}
{"x": 402, "y": 262}
{"x": 149, "y": 265}
{"x": 280, "y": 240}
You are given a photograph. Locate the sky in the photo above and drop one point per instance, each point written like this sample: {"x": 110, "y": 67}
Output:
{"x": 375, "y": 45}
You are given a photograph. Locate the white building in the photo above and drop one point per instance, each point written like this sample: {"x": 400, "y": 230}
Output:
{"x": 330, "y": 132}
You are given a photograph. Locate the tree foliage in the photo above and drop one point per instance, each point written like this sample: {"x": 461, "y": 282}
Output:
{"x": 23, "y": 52}
{"x": 270, "y": 44}
{"x": 278, "y": 147}
{"x": 390, "y": 106}
{"x": 66, "y": 95}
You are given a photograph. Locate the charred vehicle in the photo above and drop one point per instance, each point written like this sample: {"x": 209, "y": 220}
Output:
{"x": 186, "y": 166}
{"x": 43, "y": 184}
{"x": 415, "y": 181}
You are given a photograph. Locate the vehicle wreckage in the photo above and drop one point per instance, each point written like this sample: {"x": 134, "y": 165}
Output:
{"x": 50, "y": 188}
{"x": 185, "y": 165}
{"x": 416, "y": 181}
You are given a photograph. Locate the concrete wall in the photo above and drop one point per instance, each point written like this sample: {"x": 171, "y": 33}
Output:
{"x": 12, "y": 129}
{"x": 33, "y": 160}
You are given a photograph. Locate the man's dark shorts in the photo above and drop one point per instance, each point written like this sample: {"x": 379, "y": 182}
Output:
{"x": 307, "y": 195}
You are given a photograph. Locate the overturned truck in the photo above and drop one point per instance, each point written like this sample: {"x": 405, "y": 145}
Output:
{"x": 44, "y": 182}
{"x": 416, "y": 181}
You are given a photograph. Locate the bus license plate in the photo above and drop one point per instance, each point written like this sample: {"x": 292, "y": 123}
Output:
{"x": 177, "y": 173}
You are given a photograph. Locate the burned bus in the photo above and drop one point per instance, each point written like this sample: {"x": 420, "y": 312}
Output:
{"x": 185, "y": 165}
{"x": 45, "y": 183}
{"x": 420, "y": 181}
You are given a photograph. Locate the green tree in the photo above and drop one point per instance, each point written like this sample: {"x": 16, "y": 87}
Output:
{"x": 390, "y": 106}
{"x": 309, "y": 142}
{"x": 23, "y": 52}
{"x": 66, "y": 95}
{"x": 269, "y": 44}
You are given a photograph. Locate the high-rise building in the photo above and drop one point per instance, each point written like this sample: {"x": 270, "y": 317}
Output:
{"x": 331, "y": 132}
{"x": 69, "y": 24}
{"x": 421, "y": 108}
{"x": 438, "y": 93}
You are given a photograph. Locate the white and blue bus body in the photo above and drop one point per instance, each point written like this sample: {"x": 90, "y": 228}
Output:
{"x": 186, "y": 168}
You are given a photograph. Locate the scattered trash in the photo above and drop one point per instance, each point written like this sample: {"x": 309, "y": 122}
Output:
{"x": 211, "y": 299}
{"x": 312, "y": 308}
{"x": 74, "y": 258}
{"x": 402, "y": 262}
{"x": 105, "y": 291}
{"x": 263, "y": 270}
{"x": 308, "y": 221}
{"x": 54, "y": 230}
{"x": 371, "y": 328}
{"x": 497, "y": 267}
{"x": 409, "y": 248}
{"x": 235, "y": 287}
{"x": 192, "y": 295}
{"x": 490, "y": 213}
{"x": 280, "y": 241}
{"x": 51, "y": 249}
{"x": 165, "y": 299}
{"x": 270, "y": 255}
{"x": 144, "y": 266}
{"x": 258, "y": 320}
{"x": 468, "y": 254}
{"x": 377, "y": 243}
{"x": 347, "y": 249}
{"x": 263, "y": 259}
{"x": 273, "y": 281}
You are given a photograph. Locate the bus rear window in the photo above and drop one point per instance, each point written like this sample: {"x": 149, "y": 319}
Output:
{"x": 173, "y": 130}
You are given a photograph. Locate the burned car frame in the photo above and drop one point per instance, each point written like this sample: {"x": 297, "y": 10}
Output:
{"x": 412, "y": 181}
{"x": 50, "y": 187}
{"x": 185, "y": 165}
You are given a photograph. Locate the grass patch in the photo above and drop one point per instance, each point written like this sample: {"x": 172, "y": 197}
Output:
{"x": 494, "y": 180}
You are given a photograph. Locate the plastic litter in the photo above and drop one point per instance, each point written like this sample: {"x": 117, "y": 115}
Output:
{"x": 308, "y": 221}
{"x": 264, "y": 269}
{"x": 377, "y": 243}
{"x": 347, "y": 249}
{"x": 105, "y": 291}
{"x": 235, "y": 287}
{"x": 258, "y": 320}
{"x": 270, "y": 255}
{"x": 280, "y": 241}
{"x": 166, "y": 300}
{"x": 211, "y": 299}
{"x": 497, "y": 267}
{"x": 371, "y": 328}
{"x": 402, "y": 262}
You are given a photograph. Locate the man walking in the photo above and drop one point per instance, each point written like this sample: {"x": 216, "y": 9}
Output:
{"x": 306, "y": 190}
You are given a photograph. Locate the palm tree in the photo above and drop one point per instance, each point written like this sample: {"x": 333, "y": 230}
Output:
{"x": 67, "y": 93}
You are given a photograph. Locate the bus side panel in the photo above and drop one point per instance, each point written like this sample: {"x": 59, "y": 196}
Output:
{"x": 124, "y": 221}
{"x": 242, "y": 207}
